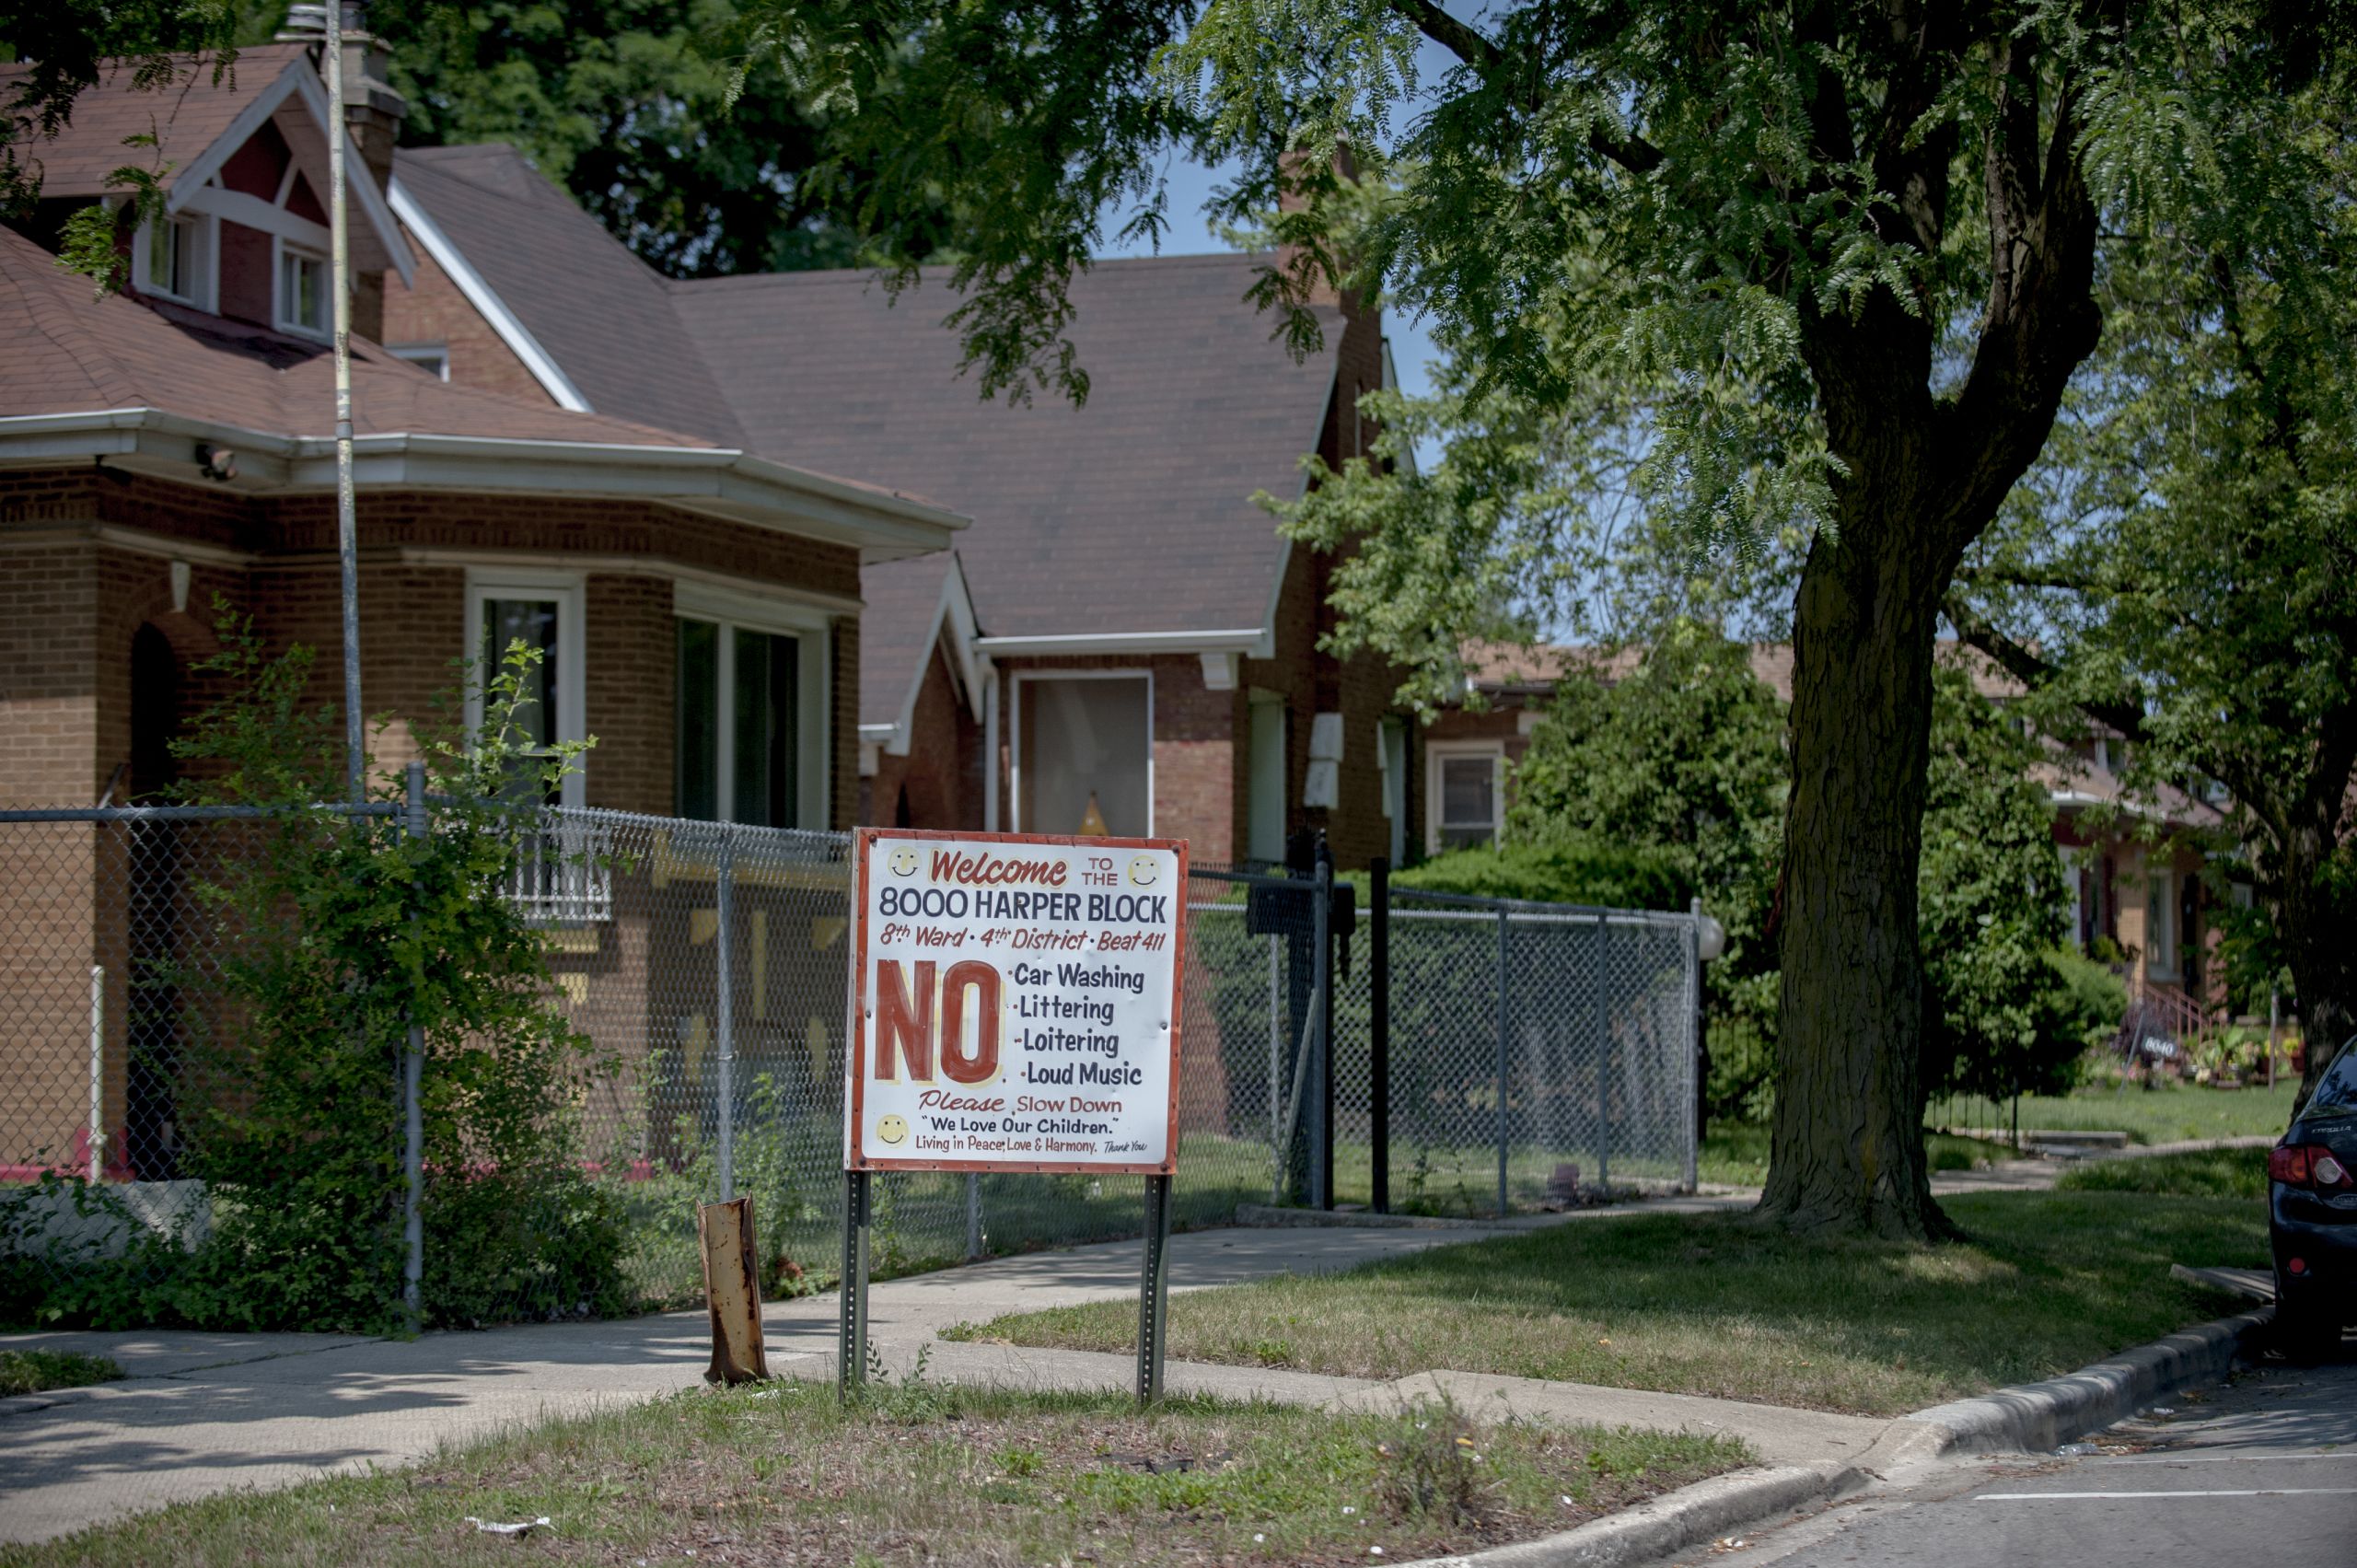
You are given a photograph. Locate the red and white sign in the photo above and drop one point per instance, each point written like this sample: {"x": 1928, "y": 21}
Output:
{"x": 1015, "y": 1003}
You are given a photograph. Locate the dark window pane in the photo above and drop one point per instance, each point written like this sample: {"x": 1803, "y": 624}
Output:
{"x": 766, "y": 781}
{"x": 1468, "y": 788}
{"x": 698, "y": 755}
{"x": 507, "y": 622}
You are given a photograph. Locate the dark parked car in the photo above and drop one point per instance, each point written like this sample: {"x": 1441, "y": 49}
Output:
{"x": 2312, "y": 1213}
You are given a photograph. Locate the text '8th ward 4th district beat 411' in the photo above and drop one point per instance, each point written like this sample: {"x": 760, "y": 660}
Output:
{"x": 1015, "y": 1003}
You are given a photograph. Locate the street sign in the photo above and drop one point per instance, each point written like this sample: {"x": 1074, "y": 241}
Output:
{"x": 1013, "y": 1007}
{"x": 1015, "y": 1003}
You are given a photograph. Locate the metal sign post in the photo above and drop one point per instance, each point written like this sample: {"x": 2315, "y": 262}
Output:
{"x": 851, "y": 1316}
{"x": 1154, "y": 1290}
{"x": 1014, "y": 1008}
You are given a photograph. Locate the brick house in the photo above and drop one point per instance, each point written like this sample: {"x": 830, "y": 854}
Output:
{"x": 1122, "y": 625}
{"x": 2149, "y": 901}
{"x": 696, "y": 597}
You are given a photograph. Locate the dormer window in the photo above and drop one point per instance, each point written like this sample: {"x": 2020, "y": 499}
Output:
{"x": 175, "y": 260}
{"x": 302, "y": 291}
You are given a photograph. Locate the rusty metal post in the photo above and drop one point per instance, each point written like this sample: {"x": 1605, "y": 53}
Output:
{"x": 732, "y": 1288}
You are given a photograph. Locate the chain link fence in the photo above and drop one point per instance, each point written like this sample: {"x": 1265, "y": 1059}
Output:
{"x": 1536, "y": 1054}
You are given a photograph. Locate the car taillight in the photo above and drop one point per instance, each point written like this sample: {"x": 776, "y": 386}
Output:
{"x": 2305, "y": 1165}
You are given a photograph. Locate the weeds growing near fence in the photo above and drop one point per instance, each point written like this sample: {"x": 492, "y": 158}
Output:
{"x": 311, "y": 944}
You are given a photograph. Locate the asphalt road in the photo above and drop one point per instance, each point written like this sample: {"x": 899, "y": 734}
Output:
{"x": 2263, "y": 1468}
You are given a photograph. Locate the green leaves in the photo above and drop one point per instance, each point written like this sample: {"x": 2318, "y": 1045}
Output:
{"x": 321, "y": 938}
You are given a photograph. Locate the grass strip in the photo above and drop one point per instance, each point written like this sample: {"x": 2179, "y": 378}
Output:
{"x": 2168, "y": 1112}
{"x": 38, "y": 1371}
{"x": 1720, "y": 1305}
{"x": 925, "y": 1473}
{"x": 2201, "y": 1173}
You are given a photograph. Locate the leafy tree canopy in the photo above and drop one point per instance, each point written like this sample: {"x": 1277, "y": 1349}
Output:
{"x": 2177, "y": 573}
{"x": 634, "y": 108}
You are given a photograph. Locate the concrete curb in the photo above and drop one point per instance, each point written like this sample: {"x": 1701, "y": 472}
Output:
{"x": 49, "y": 1399}
{"x": 2035, "y": 1417}
{"x": 2032, "y": 1417}
{"x": 1688, "y": 1517}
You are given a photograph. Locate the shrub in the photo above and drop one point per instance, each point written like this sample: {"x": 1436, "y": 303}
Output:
{"x": 331, "y": 935}
{"x": 1563, "y": 870}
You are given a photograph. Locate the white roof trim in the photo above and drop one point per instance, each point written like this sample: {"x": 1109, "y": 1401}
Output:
{"x": 1230, "y": 640}
{"x": 300, "y": 77}
{"x": 486, "y": 301}
{"x": 954, "y": 612}
{"x": 720, "y": 480}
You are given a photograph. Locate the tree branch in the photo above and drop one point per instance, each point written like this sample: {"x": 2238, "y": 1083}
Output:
{"x": 1460, "y": 38}
{"x": 2024, "y": 664}
{"x": 1631, "y": 152}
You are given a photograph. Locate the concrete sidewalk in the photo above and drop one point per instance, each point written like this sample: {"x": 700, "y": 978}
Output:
{"x": 204, "y": 1413}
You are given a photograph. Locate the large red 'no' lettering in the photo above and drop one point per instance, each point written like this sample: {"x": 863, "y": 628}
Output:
{"x": 981, "y": 1063}
{"x": 903, "y": 1028}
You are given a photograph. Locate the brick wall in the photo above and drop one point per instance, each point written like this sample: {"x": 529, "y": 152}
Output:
{"x": 74, "y": 605}
{"x": 942, "y": 773}
{"x": 432, "y": 310}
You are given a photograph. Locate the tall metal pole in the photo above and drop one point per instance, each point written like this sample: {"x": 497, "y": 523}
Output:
{"x": 1502, "y": 1005}
{"x": 1320, "y": 1106}
{"x": 725, "y": 937}
{"x": 1378, "y": 1044}
{"x": 347, "y": 543}
{"x": 413, "y": 1114}
{"x": 1603, "y": 1065}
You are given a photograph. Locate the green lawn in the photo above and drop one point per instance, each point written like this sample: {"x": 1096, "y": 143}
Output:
{"x": 2161, "y": 1115}
{"x": 1719, "y": 1305}
{"x": 1734, "y": 1153}
{"x": 2205, "y": 1173}
{"x": 928, "y": 1474}
{"x": 38, "y": 1371}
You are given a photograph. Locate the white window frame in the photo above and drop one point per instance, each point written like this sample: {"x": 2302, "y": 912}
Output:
{"x": 1439, "y": 751}
{"x": 2160, "y": 899}
{"x": 203, "y": 267}
{"x": 413, "y": 352}
{"x": 1391, "y": 736}
{"x": 1015, "y": 755}
{"x": 814, "y": 707}
{"x": 279, "y": 249}
{"x": 565, "y": 588}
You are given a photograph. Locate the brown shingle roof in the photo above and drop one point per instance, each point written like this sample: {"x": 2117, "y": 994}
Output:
{"x": 186, "y": 117}
{"x": 602, "y": 314}
{"x": 1131, "y": 514}
{"x": 902, "y": 598}
{"x": 64, "y": 350}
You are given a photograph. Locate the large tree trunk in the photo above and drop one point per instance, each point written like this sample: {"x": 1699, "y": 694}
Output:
{"x": 1848, "y": 1144}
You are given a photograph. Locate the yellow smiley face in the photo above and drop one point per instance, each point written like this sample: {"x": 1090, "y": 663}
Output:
{"x": 1143, "y": 870}
{"x": 903, "y": 861}
{"x": 891, "y": 1129}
